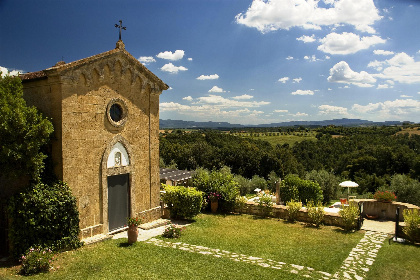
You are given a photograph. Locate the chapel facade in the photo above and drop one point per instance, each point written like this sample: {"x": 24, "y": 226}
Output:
{"x": 105, "y": 111}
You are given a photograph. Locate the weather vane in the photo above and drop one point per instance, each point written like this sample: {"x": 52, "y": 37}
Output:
{"x": 120, "y": 27}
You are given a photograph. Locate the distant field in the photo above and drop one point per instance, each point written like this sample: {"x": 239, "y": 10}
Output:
{"x": 275, "y": 138}
{"x": 415, "y": 130}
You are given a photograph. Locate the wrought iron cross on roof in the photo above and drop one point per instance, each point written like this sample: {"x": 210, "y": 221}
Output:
{"x": 120, "y": 27}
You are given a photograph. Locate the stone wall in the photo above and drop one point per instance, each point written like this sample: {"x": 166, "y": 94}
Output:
{"x": 76, "y": 96}
{"x": 281, "y": 212}
{"x": 384, "y": 210}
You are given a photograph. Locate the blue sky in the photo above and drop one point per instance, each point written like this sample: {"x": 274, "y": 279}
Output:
{"x": 240, "y": 61}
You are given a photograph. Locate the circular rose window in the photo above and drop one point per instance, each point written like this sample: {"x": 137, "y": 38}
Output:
{"x": 117, "y": 112}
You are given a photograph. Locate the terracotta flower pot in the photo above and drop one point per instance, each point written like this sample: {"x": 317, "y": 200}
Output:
{"x": 214, "y": 205}
{"x": 132, "y": 234}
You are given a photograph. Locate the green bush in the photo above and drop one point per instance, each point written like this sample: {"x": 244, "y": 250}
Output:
{"x": 241, "y": 203}
{"x": 293, "y": 207}
{"x": 316, "y": 213}
{"x": 292, "y": 187}
{"x": 265, "y": 204}
{"x": 350, "y": 215}
{"x": 412, "y": 223}
{"x": 244, "y": 184}
{"x": 406, "y": 189}
{"x": 36, "y": 260}
{"x": 183, "y": 202}
{"x": 220, "y": 181}
{"x": 328, "y": 182}
{"x": 45, "y": 216}
{"x": 172, "y": 231}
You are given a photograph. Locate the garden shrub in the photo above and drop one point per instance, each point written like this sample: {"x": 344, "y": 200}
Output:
{"x": 241, "y": 203}
{"x": 316, "y": 213}
{"x": 293, "y": 187}
{"x": 244, "y": 184}
{"x": 45, "y": 216}
{"x": 183, "y": 202}
{"x": 36, "y": 260}
{"x": 350, "y": 215}
{"x": 412, "y": 223}
{"x": 172, "y": 231}
{"x": 265, "y": 204}
{"x": 293, "y": 207}
{"x": 406, "y": 188}
{"x": 218, "y": 181}
{"x": 328, "y": 182}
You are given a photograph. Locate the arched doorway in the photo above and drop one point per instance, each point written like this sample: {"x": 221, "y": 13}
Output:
{"x": 117, "y": 184}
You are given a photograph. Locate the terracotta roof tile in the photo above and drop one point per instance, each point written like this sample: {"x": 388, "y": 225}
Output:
{"x": 33, "y": 76}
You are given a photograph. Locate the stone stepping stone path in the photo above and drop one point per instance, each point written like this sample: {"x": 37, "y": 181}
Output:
{"x": 361, "y": 257}
{"x": 218, "y": 253}
{"x": 354, "y": 267}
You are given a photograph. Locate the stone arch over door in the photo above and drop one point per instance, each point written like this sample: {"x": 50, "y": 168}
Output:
{"x": 117, "y": 160}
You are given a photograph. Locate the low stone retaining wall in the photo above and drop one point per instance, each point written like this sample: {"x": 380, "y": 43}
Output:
{"x": 384, "y": 210}
{"x": 282, "y": 212}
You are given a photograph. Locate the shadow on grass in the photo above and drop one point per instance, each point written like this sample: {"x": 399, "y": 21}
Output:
{"x": 346, "y": 232}
{"x": 9, "y": 263}
{"x": 126, "y": 244}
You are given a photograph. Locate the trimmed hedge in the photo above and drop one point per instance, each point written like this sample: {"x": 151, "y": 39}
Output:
{"x": 45, "y": 216}
{"x": 184, "y": 203}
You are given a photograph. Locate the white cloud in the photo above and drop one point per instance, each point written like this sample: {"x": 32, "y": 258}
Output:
{"x": 378, "y": 65}
{"x": 341, "y": 73}
{"x": 223, "y": 102}
{"x": 406, "y": 96}
{"x": 310, "y": 58}
{"x": 283, "y": 80}
{"x": 383, "y": 86}
{"x": 281, "y": 111}
{"x": 270, "y": 15}
{"x": 208, "y": 77}
{"x": 299, "y": 114}
{"x": 289, "y": 57}
{"x": 332, "y": 110}
{"x": 188, "y": 98}
{"x": 146, "y": 59}
{"x": 190, "y": 59}
{"x": 169, "y": 67}
{"x": 216, "y": 89}
{"x": 4, "y": 71}
{"x": 177, "y": 55}
{"x": 243, "y": 97}
{"x": 307, "y": 39}
{"x": 347, "y": 43}
{"x": 398, "y": 109}
{"x": 401, "y": 68}
{"x": 297, "y": 80}
{"x": 382, "y": 52}
{"x": 303, "y": 92}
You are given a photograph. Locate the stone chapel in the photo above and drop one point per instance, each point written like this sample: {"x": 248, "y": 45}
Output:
{"x": 105, "y": 111}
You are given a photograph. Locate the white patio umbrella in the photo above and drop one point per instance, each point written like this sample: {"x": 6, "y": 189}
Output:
{"x": 348, "y": 185}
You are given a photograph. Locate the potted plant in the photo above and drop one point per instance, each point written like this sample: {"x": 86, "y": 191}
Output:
{"x": 385, "y": 196}
{"x": 133, "y": 230}
{"x": 214, "y": 201}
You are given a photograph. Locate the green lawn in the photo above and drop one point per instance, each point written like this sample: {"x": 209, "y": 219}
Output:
{"x": 322, "y": 249}
{"x": 396, "y": 261}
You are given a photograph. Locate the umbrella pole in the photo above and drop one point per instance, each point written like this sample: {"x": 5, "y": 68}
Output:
{"x": 348, "y": 195}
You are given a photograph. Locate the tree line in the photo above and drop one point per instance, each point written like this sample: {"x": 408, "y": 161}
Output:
{"x": 371, "y": 156}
